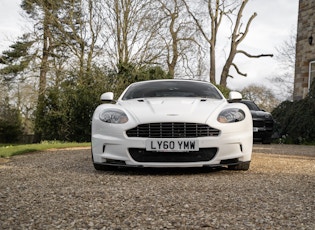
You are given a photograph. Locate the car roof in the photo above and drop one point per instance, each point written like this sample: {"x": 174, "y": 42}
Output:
{"x": 250, "y": 104}
{"x": 148, "y": 83}
{"x": 178, "y": 80}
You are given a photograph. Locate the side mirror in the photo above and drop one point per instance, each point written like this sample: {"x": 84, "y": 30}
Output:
{"x": 233, "y": 95}
{"x": 107, "y": 97}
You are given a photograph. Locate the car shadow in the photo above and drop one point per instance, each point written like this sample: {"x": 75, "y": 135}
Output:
{"x": 162, "y": 171}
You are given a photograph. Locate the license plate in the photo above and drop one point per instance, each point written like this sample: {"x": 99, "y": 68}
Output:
{"x": 172, "y": 145}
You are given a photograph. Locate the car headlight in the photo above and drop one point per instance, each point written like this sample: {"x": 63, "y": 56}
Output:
{"x": 231, "y": 115}
{"x": 114, "y": 116}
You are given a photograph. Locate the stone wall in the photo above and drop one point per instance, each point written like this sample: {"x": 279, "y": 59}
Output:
{"x": 305, "y": 52}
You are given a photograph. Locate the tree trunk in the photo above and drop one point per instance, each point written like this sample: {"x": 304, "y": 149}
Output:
{"x": 174, "y": 35}
{"x": 212, "y": 65}
{"x": 228, "y": 63}
{"x": 42, "y": 79}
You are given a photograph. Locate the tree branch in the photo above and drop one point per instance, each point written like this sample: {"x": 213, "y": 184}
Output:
{"x": 238, "y": 71}
{"x": 254, "y": 56}
{"x": 243, "y": 35}
{"x": 197, "y": 23}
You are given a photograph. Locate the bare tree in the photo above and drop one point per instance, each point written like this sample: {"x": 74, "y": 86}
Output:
{"x": 285, "y": 56}
{"x": 236, "y": 38}
{"x": 178, "y": 34}
{"x": 262, "y": 96}
{"x": 217, "y": 11}
{"x": 79, "y": 26}
{"x": 130, "y": 32}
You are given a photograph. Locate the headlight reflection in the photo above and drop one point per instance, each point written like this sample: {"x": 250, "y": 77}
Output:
{"x": 231, "y": 115}
{"x": 113, "y": 116}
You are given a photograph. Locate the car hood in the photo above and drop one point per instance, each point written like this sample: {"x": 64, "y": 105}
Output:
{"x": 261, "y": 114}
{"x": 174, "y": 109}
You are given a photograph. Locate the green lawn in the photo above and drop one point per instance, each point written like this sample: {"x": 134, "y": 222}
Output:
{"x": 11, "y": 150}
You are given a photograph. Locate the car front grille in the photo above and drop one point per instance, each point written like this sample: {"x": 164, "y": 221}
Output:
{"x": 258, "y": 123}
{"x": 142, "y": 155}
{"x": 172, "y": 130}
{"x": 268, "y": 124}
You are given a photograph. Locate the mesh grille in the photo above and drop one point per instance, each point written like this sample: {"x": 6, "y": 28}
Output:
{"x": 141, "y": 155}
{"x": 172, "y": 130}
{"x": 263, "y": 123}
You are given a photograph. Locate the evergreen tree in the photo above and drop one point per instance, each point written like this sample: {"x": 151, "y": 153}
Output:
{"x": 16, "y": 59}
{"x": 43, "y": 12}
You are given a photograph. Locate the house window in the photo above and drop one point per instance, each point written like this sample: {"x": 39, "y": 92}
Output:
{"x": 311, "y": 75}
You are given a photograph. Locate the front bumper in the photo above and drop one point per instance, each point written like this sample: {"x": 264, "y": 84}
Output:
{"x": 262, "y": 129}
{"x": 226, "y": 149}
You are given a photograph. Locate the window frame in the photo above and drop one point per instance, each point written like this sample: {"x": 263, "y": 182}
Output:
{"x": 310, "y": 71}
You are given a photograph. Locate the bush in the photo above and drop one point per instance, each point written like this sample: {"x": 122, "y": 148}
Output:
{"x": 295, "y": 120}
{"x": 224, "y": 90}
{"x": 129, "y": 73}
{"x": 10, "y": 125}
{"x": 70, "y": 106}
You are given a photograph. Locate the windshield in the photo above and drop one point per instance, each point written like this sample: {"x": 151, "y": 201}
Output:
{"x": 172, "y": 89}
{"x": 251, "y": 105}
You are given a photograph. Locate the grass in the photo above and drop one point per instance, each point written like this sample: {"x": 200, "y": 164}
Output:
{"x": 12, "y": 150}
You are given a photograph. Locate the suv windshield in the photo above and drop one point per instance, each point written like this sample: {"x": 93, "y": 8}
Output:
{"x": 251, "y": 105}
{"x": 172, "y": 89}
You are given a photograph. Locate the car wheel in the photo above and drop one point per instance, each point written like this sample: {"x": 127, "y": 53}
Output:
{"x": 244, "y": 166}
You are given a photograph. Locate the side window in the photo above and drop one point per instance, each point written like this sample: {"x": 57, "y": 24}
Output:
{"x": 311, "y": 75}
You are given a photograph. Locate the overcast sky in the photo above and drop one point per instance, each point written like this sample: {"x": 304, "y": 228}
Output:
{"x": 276, "y": 20}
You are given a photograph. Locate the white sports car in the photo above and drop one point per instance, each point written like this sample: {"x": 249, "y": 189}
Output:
{"x": 172, "y": 123}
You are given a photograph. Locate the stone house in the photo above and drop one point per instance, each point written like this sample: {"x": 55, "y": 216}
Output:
{"x": 305, "y": 49}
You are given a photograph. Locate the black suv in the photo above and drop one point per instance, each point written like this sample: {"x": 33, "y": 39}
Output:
{"x": 263, "y": 123}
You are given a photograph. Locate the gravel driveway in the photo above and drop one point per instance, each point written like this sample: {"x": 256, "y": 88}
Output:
{"x": 61, "y": 190}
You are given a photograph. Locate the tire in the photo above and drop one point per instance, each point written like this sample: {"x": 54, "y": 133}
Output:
{"x": 244, "y": 166}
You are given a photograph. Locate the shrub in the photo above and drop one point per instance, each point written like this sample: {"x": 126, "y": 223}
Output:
{"x": 10, "y": 125}
{"x": 224, "y": 90}
{"x": 295, "y": 120}
{"x": 69, "y": 107}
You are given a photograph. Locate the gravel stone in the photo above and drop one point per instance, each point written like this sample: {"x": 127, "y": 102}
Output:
{"x": 61, "y": 190}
